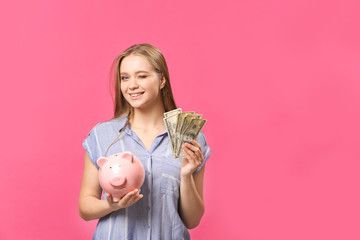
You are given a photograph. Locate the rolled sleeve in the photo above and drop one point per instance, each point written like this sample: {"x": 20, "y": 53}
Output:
{"x": 91, "y": 146}
{"x": 206, "y": 151}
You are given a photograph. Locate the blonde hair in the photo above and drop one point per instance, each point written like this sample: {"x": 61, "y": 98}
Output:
{"x": 157, "y": 60}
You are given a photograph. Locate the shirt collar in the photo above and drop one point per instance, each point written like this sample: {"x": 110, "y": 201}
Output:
{"x": 122, "y": 121}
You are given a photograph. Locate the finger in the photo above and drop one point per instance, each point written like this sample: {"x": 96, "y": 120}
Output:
{"x": 192, "y": 147}
{"x": 127, "y": 197}
{"x": 136, "y": 197}
{"x": 134, "y": 200}
{"x": 135, "y": 194}
{"x": 190, "y": 155}
{"x": 109, "y": 198}
{"x": 195, "y": 143}
{"x": 196, "y": 151}
{"x": 199, "y": 153}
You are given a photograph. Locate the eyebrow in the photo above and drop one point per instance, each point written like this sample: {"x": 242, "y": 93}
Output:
{"x": 140, "y": 71}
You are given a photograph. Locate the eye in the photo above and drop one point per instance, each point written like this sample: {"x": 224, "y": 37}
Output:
{"x": 143, "y": 76}
{"x": 123, "y": 78}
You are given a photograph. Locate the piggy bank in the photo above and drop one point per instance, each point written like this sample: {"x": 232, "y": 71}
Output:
{"x": 120, "y": 173}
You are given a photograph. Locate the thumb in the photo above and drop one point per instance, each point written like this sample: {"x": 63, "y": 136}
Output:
{"x": 184, "y": 161}
{"x": 109, "y": 197}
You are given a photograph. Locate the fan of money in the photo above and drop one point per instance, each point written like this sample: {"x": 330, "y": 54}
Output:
{"x": 182, "y": 127}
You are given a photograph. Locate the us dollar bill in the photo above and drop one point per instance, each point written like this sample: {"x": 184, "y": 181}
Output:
{"x": 185, "y": 124}
{"x": 177, "y": 136}
{"x": 187, "y": 120}
{"x": 191, "y": 132}
{"x": 181, "y": 128}
{"x": 172, "y": 112}
{"x": 180, "y": 121}
{"x": 170, "y": 123}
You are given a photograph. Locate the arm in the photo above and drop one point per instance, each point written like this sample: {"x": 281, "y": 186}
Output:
{"x": 192, "y": 205}
{"x": 90, "y": 204}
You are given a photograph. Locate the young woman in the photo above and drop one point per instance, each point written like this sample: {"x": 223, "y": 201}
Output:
{"x": 171, "y": 198}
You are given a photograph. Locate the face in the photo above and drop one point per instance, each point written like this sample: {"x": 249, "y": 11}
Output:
{"x": 140, "y": 83}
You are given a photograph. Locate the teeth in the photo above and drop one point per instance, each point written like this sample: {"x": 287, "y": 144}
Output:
{"x": 134, "y": 95}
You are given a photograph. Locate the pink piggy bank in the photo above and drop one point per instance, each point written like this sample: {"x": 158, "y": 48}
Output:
{"x": 120, "y": 173}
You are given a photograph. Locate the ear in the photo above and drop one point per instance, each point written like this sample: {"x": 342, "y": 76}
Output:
{"x": 162, "y": 82}
{"x": 101, "y": 161}
{"x": 128, "y": 156}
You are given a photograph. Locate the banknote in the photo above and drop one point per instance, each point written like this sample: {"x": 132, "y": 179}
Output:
{"x": 187, "y": 121}
{"x": 170, "y": 123}
{"x": 182, "y": 127}
{"x": 172, "y": 112}
{"x": 177, "y": 135}
{"x": 191, "y": 132}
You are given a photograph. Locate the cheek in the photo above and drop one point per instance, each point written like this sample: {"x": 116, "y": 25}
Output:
{"x": 123, "y": 88}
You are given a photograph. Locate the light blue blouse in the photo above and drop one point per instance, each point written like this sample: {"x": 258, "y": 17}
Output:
{"x": 155, "y": 216}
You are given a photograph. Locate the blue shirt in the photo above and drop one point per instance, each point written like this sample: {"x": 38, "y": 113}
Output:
{"x": 155, "y": 216}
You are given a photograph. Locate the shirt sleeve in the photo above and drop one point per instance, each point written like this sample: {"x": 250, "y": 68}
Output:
{"x": 91, "y": 145}
{"x": 206, "y": 151}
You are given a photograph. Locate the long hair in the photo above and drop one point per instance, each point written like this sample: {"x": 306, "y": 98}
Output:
{"x": 157, "y": 60}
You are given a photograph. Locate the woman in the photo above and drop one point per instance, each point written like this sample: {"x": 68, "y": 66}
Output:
{"x": 171, "y": 198}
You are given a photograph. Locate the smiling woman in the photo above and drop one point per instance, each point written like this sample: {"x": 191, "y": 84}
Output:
{"x": 171, "y": 199}
{"x": 140, "y": 87}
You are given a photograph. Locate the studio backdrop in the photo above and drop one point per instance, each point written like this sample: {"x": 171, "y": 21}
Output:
{"x": 278, "y": 82}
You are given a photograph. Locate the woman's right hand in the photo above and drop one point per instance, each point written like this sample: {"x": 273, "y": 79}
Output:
{"x": 126, "y": 201}
{"x": 91, "y": 206}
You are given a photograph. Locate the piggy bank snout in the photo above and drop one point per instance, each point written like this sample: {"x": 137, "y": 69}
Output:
{"x": 118, "y": 181}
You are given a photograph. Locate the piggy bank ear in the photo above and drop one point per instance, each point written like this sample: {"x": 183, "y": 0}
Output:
{"x": 128, "y": 156}
{"x": 101, "y": 161}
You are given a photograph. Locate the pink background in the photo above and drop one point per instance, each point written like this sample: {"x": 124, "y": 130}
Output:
{"x": 278, "y": 81}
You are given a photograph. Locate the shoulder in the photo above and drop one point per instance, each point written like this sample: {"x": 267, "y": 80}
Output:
{"x": 101, "y": 136}
{"x": 206, "y": 150}
{"x": 114, "y": 124}
{"x": 204, "y": 145}
{"x": 202, "y": 139}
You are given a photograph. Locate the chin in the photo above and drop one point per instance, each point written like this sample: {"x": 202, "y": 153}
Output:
{"x": 138, "y": 106}
{"x": 143, "y": 104}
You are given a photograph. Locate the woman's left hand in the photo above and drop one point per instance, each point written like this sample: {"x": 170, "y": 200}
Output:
{"x": 193, "y": 160}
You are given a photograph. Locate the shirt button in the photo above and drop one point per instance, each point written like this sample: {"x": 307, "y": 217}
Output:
{"x": 147, "y": 172}
{"x": 148, "y": 208}
{"x": 148, "y": 226}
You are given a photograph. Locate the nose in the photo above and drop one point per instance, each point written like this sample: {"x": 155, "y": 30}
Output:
{"x": 118, "y": 181}
{"x": 133, "y": 83}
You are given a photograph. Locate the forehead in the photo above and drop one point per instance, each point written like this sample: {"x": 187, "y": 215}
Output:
{"x": 134, "y": 63}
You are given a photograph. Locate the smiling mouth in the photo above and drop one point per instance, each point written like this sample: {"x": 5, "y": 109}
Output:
{"x": 135, "y": 94}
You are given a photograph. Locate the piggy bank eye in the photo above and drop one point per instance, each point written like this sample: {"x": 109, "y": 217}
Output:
{"x": 110, "y": 167}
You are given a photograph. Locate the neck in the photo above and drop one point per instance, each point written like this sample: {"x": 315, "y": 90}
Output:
{"x": 148, "y": 118}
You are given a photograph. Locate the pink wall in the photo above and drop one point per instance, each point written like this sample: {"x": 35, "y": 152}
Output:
{"x": 278, "y": 81}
